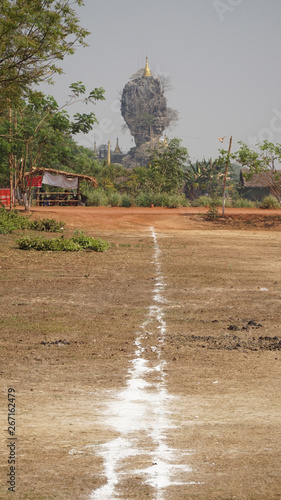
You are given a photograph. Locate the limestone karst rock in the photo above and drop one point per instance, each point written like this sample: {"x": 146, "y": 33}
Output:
{"x": 144, "y": 108}
{"x": 139, "y": 155}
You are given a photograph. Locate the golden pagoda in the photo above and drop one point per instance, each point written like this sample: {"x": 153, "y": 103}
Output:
{"x": 117, "y": 150}
{"x": 147, "y": 71}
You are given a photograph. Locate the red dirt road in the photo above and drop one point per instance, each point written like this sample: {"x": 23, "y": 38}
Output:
{"x": 119, "y": 218}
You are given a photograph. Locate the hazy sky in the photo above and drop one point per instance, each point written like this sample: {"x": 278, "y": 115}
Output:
{"x": 223, "y": 58}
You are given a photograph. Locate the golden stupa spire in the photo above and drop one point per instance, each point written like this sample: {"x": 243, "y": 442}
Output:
{"x": 117, "y": 150}
{"x": 147, "y": 71}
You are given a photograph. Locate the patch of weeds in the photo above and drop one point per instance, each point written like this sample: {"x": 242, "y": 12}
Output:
{"x": 49, "y": 225}
{"x": 90, "y": 243}
{"x": 161, "y": 200}
{"x": 115, "y": 200}
{"x": 201, "y": 201}
{"x": 78, "y": 242}
{"x": 144, "y": 200}
{"x": 212, "y": 213}
{"x": 270, "y": 202}
{"x": 11, "y": 220}
{"x": 126, "y": 201}
{"x": 97, "y": 198}
{"x": 244, "y": 203}
{"x": 143, "y": 245}
{"x": 124, "y": 245}
{"x": 44, "y": 244}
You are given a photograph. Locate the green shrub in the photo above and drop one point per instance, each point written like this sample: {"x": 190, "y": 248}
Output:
{"x": 177, "y": 201}
{"x": 161, "y": 200}
{"x": 201, "y": 201}
{"x": 62, "y": 245}
{"x": 44, "y": 244}
{"x": 98, "y": 245}
{"x": 49, "y": 225}
{"x": 144, "y": 200}
{"x": 244, "y": 203}
{"x": 212, "y": 213}
{"x": 11, "y": 220}
{"x": 217, "y": 201}
{"x": 115, "y": 199}
{"x": 90, "y": 243}
{"x": 169, "y": 200}
{"x": 26, "y": 243}
{"x": 270, "y": 202}
{"x": 126, "y": 201}
{"x": 97, "y": 198}
{"x": 207, "y": 201}
{"x": 78, "y": 242}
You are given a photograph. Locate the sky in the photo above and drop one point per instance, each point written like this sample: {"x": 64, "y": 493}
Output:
{"x": 222, "y": 57}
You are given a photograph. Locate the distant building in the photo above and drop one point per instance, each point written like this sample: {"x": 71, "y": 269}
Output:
{"x": 117, "y": 155}
{"x": 105, "y": 153}
{"x": 259, "y": 186}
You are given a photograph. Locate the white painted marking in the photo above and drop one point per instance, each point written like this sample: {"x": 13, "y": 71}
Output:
{"x": 139, "y": 413}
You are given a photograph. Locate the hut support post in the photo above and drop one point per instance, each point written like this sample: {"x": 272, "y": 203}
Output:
{"x": 78, "y": 192}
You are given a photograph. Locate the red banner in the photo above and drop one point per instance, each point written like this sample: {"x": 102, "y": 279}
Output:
{"x": 36, "y": 181}
{"x": 5, "y": 197}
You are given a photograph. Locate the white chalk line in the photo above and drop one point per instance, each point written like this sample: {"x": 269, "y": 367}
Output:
{"x": 140, "y": 412}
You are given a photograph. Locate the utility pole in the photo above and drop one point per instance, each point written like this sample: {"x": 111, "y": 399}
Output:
{"x": 225, "y": 175}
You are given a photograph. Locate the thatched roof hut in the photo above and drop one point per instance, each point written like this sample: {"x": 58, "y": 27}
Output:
{"x": 261, "y": 184}
{"x": 68, "y": 175}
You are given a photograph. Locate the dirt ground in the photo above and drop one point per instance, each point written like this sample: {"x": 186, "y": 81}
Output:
{"x": 68, "y": 329}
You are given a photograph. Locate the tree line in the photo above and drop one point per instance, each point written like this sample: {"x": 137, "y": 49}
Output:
{"x": 35, "y": 36}
{"x": 35, "y": 130}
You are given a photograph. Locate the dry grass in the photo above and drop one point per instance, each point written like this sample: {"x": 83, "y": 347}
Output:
{"x": 95, "y": 304}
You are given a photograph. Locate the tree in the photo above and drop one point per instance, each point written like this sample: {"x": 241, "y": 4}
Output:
{"x": 34, "y": 132}
{"x": 262, "y": 162}
{"x": 34, "y": 35}
{"x": 4, "y": 164}
{"x": 203, "y": 176}
{"x": 166, "y": 166}
{"x": 145, "y": 179}
{"x": 172, "y": 117}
